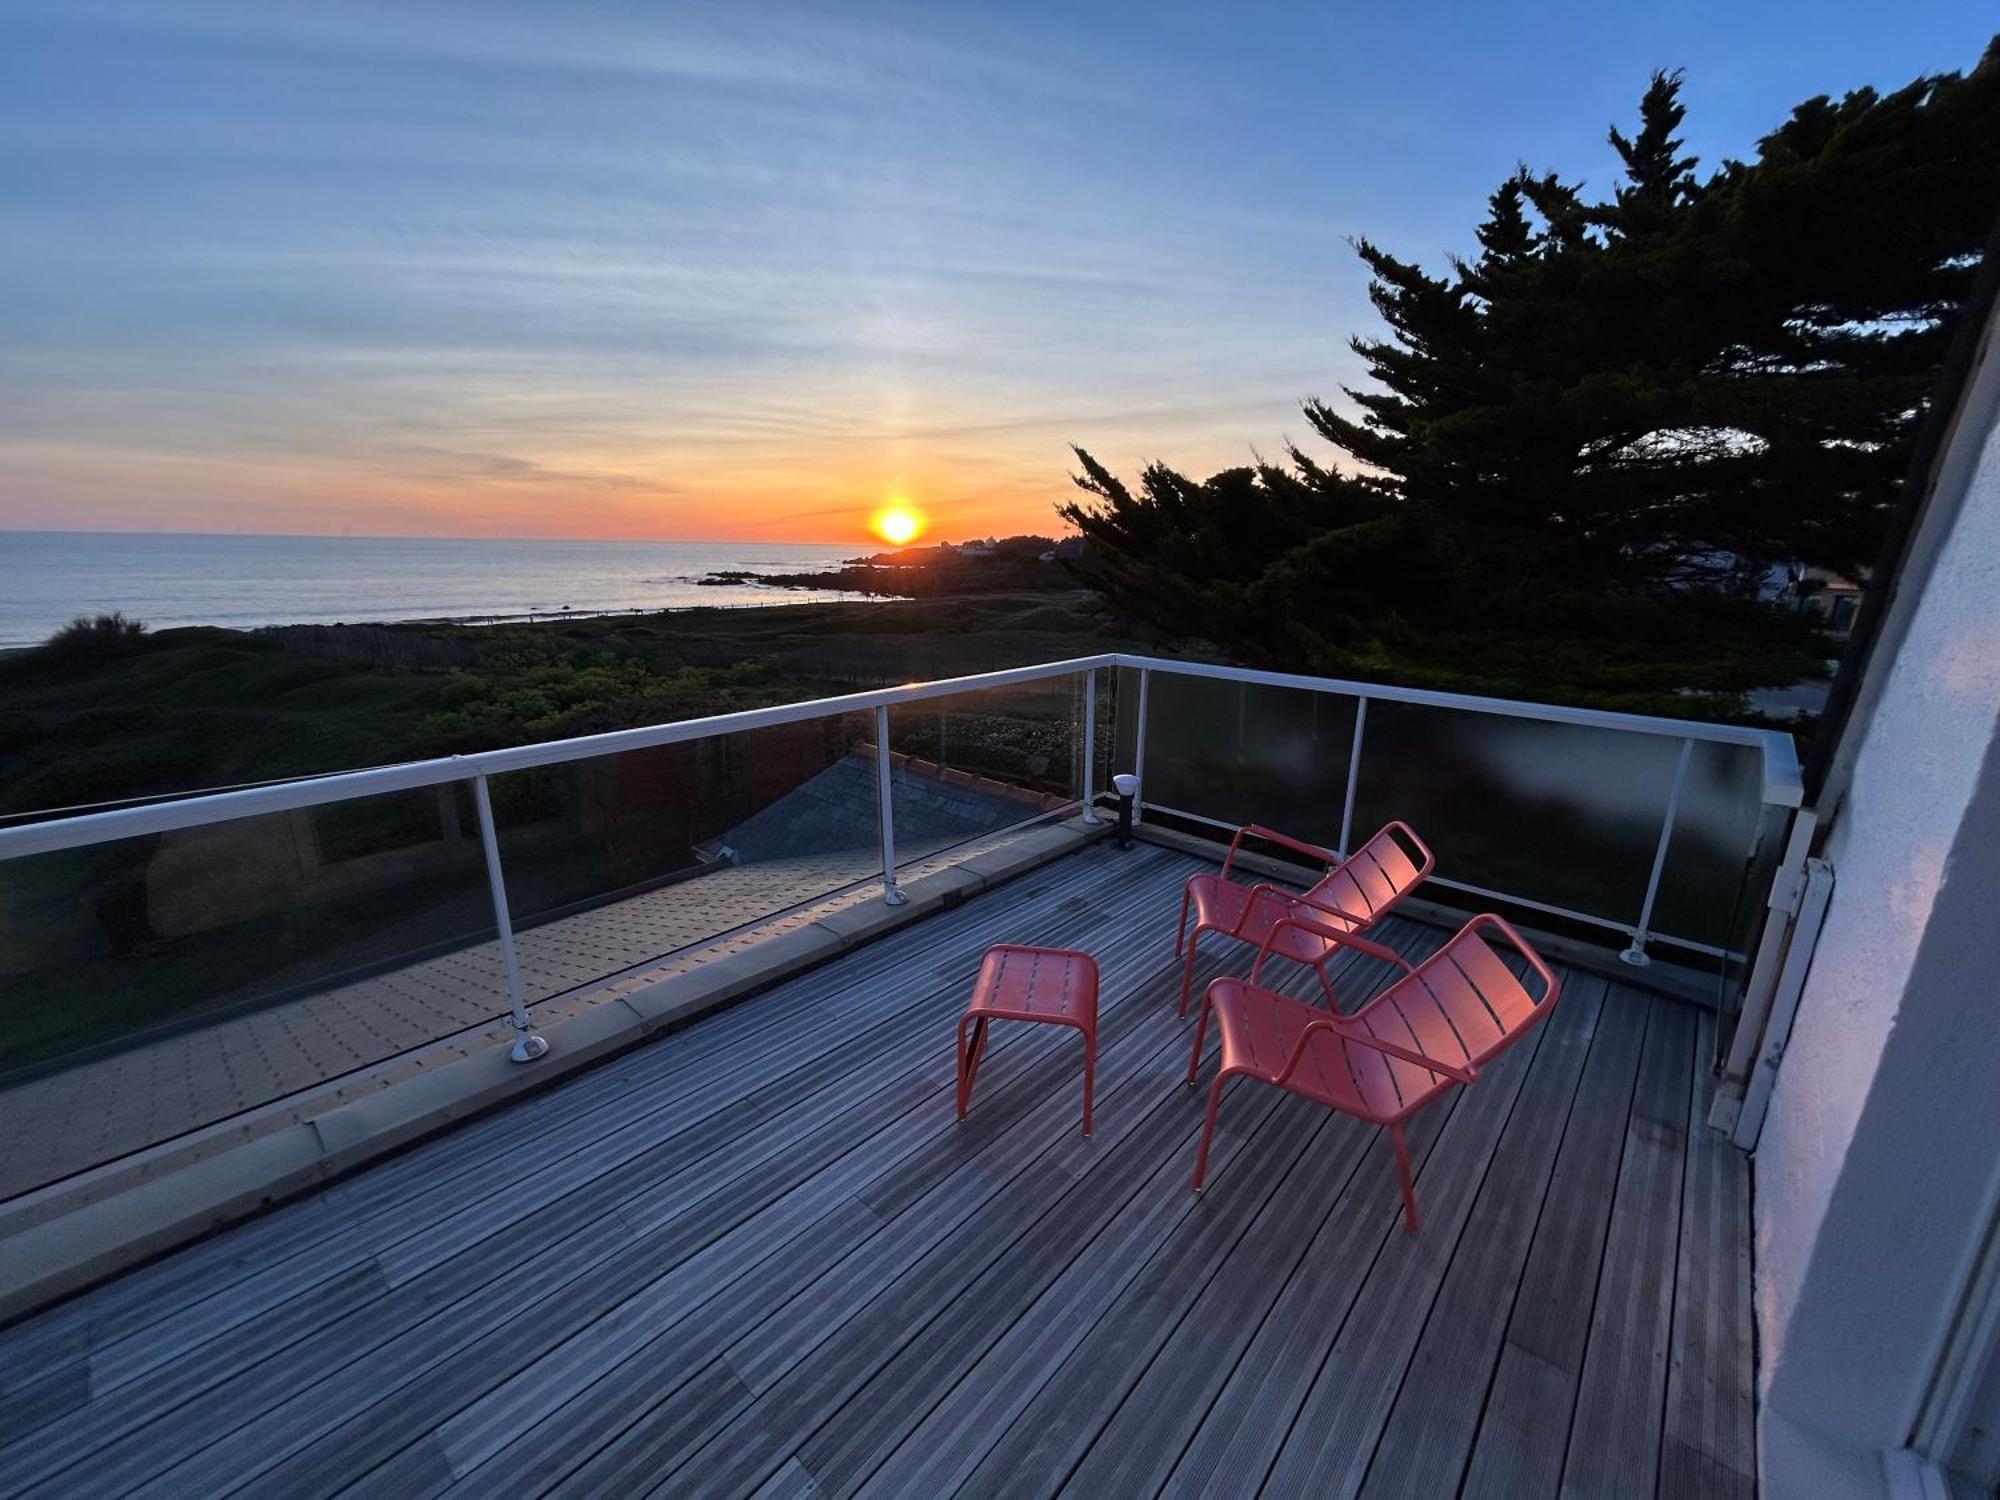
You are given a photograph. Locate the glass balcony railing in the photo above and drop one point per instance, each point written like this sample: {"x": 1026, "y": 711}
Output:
{"x": 1664, "y": 832}
{"x": 176, "y": 965}
{"x": 980, "y": 762}
{"x": 616, "y": 860}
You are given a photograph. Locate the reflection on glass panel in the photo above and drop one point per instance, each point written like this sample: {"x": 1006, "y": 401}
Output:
{"x": 620, "y": 859}
{"x": 1557, "y": 813}
{"x": 1246, "y": 753}
{"x": 975, "y": 763}
{"x": 1124, "y": 721}
{"x": 161, "y": 983}
{"x": 1715, "y": 830}
{"x": 1104, "y": 746}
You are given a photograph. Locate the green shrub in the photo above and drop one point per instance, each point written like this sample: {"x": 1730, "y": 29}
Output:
{"x": 89, "y": 639}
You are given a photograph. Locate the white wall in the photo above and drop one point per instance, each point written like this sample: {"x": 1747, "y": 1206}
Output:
{"x": 1892, "y": 847}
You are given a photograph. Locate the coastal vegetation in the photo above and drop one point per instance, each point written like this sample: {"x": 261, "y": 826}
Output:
{"x": 1585, "y": 451}
{"x": 105, "y": 713}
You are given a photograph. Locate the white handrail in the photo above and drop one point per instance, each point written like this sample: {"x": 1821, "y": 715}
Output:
{"x": 341, "y": 786}
{"x": 1782, "y": 784}
{"x": 1781, "y": 780}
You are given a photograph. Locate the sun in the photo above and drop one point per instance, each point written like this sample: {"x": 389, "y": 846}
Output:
{"x": 897, "y": 524}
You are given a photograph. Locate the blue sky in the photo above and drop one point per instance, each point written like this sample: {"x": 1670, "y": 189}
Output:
{"x": 743, "y": 270}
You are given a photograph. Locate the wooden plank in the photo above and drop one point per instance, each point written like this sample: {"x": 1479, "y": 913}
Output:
{"x": 775, "y": 1347}
{"x": 368, "y": 1433}
{"x": 1427, "y": 1438}
{"x": 863, "y": 1331}
{"x": 797, "y": 1331}
{"x": 787, "y": 1071}
{"x": 1709, "y": 1444}
{"x": 648, "y": 1386}
{"x": 1116, "y": 1416}
{"x": 1524, "y": 1430}
{"x": 834, "y": 1280}
{"x": 994, "y": 1308}
{"x": 1020, "y": 1429}
{"x": 1028, "y": 1312}
{"x": 570, "y": 1215}
{"x": 53, "y": 1395}
{"x": 832, "y": 1195}
{"x": 505, "y": 1253}
{"x": 1026, "y": 1342}
{"x": 1614, "y": 1442}
{"x": 1244, "y": 1428}
{"x": 414, "y": 1181}
{"x": 357, "y": 1420}
{"x": 790, "y": 1482}
{"x": 985, "y": 1266}
{"x": 1328, "y": 1447}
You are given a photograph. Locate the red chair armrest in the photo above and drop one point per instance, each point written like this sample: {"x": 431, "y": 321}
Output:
{"x": 1332, "y": 935}
{"x": 1304, "y": 898}
{"x": 1285, "y": 840}
{"x": 1461, "y": 1072}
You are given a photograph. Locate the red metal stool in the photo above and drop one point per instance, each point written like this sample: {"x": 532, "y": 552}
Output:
{"x": 1057, "y": 985}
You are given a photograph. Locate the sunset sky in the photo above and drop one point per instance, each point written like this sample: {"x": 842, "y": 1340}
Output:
{"x": 745, "y": 271}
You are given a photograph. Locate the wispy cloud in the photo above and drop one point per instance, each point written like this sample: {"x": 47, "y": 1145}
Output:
{"x": 713, "y": 269}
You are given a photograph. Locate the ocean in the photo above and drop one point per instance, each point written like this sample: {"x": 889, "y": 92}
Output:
{"x": 49, "y": 577}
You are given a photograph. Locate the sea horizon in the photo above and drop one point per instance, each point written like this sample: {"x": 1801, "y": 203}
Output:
{"x": 249, "y": 580}
{"x": 410, "y": 536}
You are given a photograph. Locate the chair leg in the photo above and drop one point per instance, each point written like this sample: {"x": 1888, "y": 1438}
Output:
{"x": 1208, "y": 1129}
{"x": 1187, "y": 973}
{"x": 968, "y": 1058}
{"x": 1410, "y": 1220}
{"x": 1089, "y": 1073}
{"x": 1200, "y": 1033}
{"x": 1180, "y": 932}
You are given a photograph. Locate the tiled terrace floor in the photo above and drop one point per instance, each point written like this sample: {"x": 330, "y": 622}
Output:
{"x": 760, "y": 1257}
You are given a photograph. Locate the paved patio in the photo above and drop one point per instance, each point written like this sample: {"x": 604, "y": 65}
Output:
{"x": 759, "y": 1256}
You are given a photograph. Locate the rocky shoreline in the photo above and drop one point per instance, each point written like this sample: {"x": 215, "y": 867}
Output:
{"x": 1012, "y": 563}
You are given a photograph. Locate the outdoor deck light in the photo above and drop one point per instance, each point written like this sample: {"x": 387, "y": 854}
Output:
{"x": 1127, "y": 787}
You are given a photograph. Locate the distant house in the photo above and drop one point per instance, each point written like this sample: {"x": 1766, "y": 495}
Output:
{"x": 1822, "y": 593}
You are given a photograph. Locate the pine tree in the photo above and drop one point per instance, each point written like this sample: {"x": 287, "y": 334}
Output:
{"x": 1579, "y": 452}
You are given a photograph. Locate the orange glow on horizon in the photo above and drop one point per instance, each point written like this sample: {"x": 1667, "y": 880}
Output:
{"x": 795, "y": 494}
{"x": 897, "y": 524}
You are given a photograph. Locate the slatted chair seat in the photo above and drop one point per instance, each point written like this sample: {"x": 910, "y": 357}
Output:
{"x": 1431, "y": 1030}
{"x": 1351, "y": 897}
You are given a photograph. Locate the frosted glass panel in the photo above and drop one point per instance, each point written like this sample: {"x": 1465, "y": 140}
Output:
{"x": 1556, "y": 813}
{"x": 1245, "y": 753}
{"x": 1716, "y": 830}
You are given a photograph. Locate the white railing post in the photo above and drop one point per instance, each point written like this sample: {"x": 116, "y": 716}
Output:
{"x": 1353, "y": 778}
{"x": 1090, "y": 747}
{"x": 527, "y": 1045}
{"x": 1635, "y": 954}
{"x": 885, "y": 809}
{"x": 1139, "y": 750}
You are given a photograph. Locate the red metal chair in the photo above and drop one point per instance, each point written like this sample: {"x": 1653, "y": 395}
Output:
{"x": 1353, "y": 895}
{"x": 1435, "y": 1026}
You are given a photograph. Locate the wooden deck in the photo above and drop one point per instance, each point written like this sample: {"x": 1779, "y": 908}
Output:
{"x": 760, "y": 1257}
